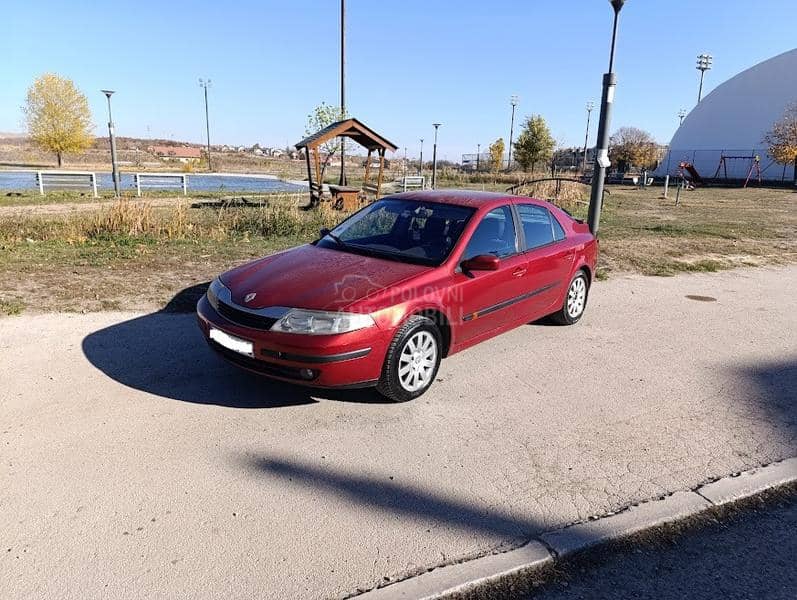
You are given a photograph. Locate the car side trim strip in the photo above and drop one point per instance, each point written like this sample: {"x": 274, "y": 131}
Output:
{"x": 510, "y": 302}
{"x": 327, "y": 358}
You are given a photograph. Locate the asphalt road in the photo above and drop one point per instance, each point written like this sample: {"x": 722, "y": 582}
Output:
{"x": 748, "y": 555}
{"x": 133, "y": 463}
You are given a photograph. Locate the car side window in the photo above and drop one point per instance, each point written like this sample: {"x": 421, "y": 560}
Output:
{"x": 495, "y": 234}
{"x": 539, "y": 226}
{"x": 558, "y": 230}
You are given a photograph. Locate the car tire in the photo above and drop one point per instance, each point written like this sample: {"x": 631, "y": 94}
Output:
{"x": 412, "y": 360}
{"x": 575, "y": 302}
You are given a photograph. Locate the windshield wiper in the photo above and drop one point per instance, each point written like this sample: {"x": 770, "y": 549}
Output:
{"x": 338, "y": 241}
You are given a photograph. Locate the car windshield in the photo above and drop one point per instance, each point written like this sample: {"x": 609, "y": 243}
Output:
{"x": 399, "y": 229}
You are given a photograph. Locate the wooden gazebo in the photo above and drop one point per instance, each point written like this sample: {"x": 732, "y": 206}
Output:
{"x": 344, "y": 196}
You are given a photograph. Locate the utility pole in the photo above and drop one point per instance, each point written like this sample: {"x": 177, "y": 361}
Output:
{"x": 342, "y": 179}
{"x": 420, "y": 163}
{"x": 478, "y": 155}
{"x": 602, "y": 146}
{"x": 112, "y": 139}
{"x": 434, "y": 157}
{"x": 704, "y": 63}
{"x": 590, "y": 107}
{"x": 513, "y": 101}
{"x": 206, "y": 83}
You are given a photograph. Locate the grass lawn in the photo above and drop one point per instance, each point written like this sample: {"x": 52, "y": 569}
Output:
{"x": 71, "y": 254}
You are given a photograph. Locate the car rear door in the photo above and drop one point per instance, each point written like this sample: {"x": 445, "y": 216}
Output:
{"x": 485, "y": 299}
{"x": 549, "y": 258}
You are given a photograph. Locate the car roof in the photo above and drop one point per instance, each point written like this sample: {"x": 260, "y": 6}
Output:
{"x": 470, "y": 198}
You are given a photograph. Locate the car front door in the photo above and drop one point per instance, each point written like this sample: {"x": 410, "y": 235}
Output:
{"x": 549, "y": 258}
{"x": 485, "y": 299}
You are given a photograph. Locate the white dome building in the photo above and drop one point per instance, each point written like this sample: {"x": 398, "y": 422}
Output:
{"x": 733, "y": 120}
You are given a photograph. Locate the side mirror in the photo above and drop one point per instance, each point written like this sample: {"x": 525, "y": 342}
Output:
{"x": 482, "y": 262}
{"x": 324, "y": 232}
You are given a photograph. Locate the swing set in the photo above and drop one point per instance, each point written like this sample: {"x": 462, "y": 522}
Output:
{"x": 755, "y": 167}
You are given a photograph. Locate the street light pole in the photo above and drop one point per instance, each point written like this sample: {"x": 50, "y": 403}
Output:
{"x": 513, "y": 101}
{"x": 681, "y": 115}
{"x": 602, "y": 146}
{"x": 112, "y": 139}
{"x": 590, "y": 107}
{"x": 420, "y": 163}
{"x": 342, "y": 178}
{"x": 704, "y": 62}
{"x": 206, "y": 83}
{"x": 478, "y": 155}
{"x": 434, "y": 157}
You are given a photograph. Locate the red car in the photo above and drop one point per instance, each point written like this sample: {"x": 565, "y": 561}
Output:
{"x": 408, "y": 280}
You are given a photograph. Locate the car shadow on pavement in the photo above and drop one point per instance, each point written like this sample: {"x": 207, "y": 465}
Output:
{"x": 165, "y": 354}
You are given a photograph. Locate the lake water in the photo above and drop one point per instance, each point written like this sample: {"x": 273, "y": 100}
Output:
{"x": 197, "y": 182}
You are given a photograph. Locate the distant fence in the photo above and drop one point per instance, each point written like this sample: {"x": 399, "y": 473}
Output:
{"x": 707, "y": 163}
{"x": 66, "y": 180}
{"x": 160, "y": 181}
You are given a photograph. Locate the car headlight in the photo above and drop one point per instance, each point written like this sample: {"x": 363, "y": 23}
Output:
{"x": 214, "y": 289}
{"x": 320, "y": 322}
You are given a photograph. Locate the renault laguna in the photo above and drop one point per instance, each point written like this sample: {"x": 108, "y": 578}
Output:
{"x": 401, "y": 284}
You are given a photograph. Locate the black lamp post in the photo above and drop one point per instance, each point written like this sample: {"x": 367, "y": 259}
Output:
{"x": 112, "y": 139}
{"x": 206, "y": 83}
{"x": 590, "y": 107}
{"x": 342, "y": 179}
{"x": 434, "y": 157}
{"x": 420, "y": 162}
{"x": 602, "y": 146}
{"x": 478, "y": 155}
{"x": 513, "y": 102}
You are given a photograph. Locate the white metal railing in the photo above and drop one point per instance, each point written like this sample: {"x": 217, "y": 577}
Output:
{"x": 413, "y": 182}
{"x": 66, "y": 180}
{"x": 160, "y": 181}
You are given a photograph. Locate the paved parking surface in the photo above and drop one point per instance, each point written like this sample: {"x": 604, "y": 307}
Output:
{"x": 133, "y": 463}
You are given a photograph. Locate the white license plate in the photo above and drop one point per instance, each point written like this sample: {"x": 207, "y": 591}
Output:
{"x": 231, "y": 342}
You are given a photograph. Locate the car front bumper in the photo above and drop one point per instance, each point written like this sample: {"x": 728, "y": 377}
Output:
{"x": 345, "y": 360}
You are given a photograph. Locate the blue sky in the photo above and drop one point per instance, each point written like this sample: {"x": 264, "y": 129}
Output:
{"x": 410, "y": 63}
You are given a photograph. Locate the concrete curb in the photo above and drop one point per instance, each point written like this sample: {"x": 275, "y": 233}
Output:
{"x": 550, "y": 546}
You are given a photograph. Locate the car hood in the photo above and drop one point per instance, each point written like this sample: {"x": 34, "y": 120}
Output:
{"x": 314, "y": 278}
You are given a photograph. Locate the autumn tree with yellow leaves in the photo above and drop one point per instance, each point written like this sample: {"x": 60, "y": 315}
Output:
{"x": 58, "y": 116}
{"x": 782, "y": 139}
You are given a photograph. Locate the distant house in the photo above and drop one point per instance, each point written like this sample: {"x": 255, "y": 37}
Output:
{"x": 180, "y": 153}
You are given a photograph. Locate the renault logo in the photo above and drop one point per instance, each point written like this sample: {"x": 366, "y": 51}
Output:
{"x": 250, "y": 296}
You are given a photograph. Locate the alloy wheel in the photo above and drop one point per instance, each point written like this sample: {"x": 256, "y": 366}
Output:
{"x": 576, "y": 297}
{"x": 417, "y": 361}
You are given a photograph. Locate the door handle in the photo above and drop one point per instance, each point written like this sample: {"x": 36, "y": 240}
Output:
{"x": 519, "y": 272}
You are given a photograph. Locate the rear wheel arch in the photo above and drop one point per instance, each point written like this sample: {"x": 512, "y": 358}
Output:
{"x": 587, "y": 270}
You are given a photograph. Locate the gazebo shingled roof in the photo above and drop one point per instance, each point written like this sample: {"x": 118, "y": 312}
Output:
{"x": 350, "y": 128}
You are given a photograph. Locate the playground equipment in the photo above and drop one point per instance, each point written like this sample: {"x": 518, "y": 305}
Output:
{"x": 694, "y": 178}
{"x": 755, "y": 166}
